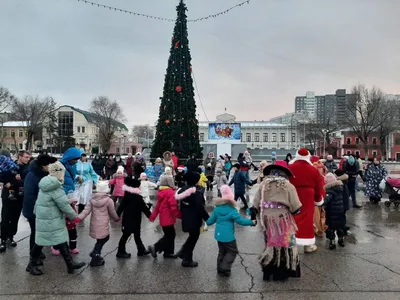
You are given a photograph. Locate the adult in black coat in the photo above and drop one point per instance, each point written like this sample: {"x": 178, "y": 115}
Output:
{"x": 37, "y": 170}
{"x": 333, "y": 202}
{"x": 98, "y": 165}
{"x": 12, "y": 198}
{"x": 131, "y": 208}
{"x": 193, "y": 213}
{"x": 192, "y": 164}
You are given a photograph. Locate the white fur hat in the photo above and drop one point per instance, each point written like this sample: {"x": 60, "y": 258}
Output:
{"x": 120, "y": 169}
{"x": 143, "y": 176}
{"x": 102, "y": 187}
{"x": 57, "y": 170}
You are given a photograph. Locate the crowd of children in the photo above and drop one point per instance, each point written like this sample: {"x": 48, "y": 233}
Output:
{"x": 125, "y": 196}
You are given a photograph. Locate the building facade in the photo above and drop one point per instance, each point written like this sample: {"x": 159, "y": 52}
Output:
{"x": 347, "y": 142}
{"x": 330, "y": 108}
{"x": 258, "y": 135}
{"x": 79, "y": 125}
{"x": 14, "y": 135}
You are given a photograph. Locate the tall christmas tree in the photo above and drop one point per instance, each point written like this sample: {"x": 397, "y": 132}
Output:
{"x": 177, "y": 126}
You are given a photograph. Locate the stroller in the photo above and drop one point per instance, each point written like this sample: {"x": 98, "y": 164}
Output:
{"x": 392, "y": 188}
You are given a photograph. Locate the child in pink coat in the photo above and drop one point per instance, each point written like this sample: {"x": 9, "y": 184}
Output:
{"x": 118, "y": 182}
{"x": 102, "y": 208}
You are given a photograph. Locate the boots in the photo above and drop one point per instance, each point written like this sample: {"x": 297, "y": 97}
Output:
{"x": 189, "y": 264}
{"x": 33, "y": 267}
{"x": 12, "y": 243}
{"x": 341, "y": 242}
{"x": 332, "y": 245}
{"x": 71, "y": 265}
{"x": 3, "y": 246}
{"x": 97, "y": 260}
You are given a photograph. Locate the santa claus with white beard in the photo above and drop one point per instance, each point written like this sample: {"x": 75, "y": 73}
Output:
{"x": 307, "y": 181}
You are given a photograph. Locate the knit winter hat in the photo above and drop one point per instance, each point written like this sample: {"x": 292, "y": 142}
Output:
{"x": 339, "y": 172}
{"x": 57, "y": 170}
{"x": 237, "y": 166}
{"x": 314, "y": 159}
{"x": 329, "y": 157}
{"x": 168, "y": 170}
{"x": 351, "y": 160}
{"x": 5, "y": 152}
{"x": 120, "y": 170}
{"x": 102, "y": 187}
{"x": 227, "y": 193}
{"x": 45, "y": 160}
{"x": 167, "y": 180}
{"x": 132, "y": 182}
{"x": 192, "y": 178}
{"x": 143, "y": 176}
{"x": 329, "y": 178}
{"x": 181, "y": 168}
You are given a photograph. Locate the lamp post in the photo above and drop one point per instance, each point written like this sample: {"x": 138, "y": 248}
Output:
{"x": 324, "y": 131}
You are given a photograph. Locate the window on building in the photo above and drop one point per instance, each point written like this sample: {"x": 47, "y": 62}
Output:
{"x": 265, "y": 137}
{"x": 20, "y": 133}
{"x": 357, "y": 141}
{"x": 357, "y": 152}
{"x": 282, "y": 137}
{"x": 257, "y": 137}
{"x": 12, "y": 133}
{"x": 348, "y": 152}
{"x": 127, "y": 150}
{"x": 374, "y": 141}
{"x": 21, "y": 146}
{"x": 83, "y": 129}
{"x": 374, "y": 153}
{"x": 201, "y": 137}
{"x": 5, "y": 132}
{"x": 274, "y": 137}
{"x": 117, "y": 150}
{"x": 48, "y": 141}
{"x": 293, "y": 137}
{"x": 66, "y": 123}
{"x": 248, "y": 137}
{"x": 348, "y": 141}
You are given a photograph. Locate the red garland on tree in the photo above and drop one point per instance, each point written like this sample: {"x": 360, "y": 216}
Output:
{"x": 177, "y": 45}
{"x": 178, "y": 89}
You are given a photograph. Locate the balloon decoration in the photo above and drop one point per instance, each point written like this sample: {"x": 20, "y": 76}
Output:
{"x": 178, "y": 89}
{"x": 167, "y": 122}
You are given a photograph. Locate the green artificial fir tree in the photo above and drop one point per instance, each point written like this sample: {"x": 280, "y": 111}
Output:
{"x": 177, "y": 126}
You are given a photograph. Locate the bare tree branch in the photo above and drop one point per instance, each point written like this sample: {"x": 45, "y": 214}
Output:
{"x": 6, "y": 98}
{"x": 32, "y": 110}
{"x": 107, "y": 116}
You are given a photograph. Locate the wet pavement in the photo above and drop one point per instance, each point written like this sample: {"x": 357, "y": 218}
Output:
{"x": 367, "y": 268}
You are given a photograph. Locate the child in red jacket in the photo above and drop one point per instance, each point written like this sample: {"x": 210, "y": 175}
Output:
{"x": 167, "y": 208}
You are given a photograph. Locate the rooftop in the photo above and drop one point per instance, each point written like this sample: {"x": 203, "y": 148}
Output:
{"x": 15, "y": 124}
{"x": 92, "y": 118}
{"x": 249, "y": 124}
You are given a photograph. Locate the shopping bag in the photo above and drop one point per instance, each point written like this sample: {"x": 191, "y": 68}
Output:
{"x": 382, "y": 185}
{"x": 319, "y": 221}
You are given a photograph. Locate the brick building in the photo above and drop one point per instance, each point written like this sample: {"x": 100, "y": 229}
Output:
{"x": 13, "y": 135}
{"x": 346, "y": 142}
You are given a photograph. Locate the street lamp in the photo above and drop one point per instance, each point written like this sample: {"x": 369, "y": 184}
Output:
{"x": 324, "y": 131}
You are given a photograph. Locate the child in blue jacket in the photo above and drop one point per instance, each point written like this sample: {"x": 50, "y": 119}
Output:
{"x": 225, "y": 215}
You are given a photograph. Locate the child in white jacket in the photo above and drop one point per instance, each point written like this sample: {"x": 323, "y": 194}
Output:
{"x": 145, "y": 186}
{"x": 220, "y": 180}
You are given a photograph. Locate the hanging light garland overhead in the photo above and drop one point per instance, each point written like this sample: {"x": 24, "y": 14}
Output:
{"x": 162, "y": 18}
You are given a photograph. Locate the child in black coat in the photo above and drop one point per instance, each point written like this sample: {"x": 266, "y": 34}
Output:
{"x": 333, "y": 203}
{"x": 340, "y": 175}
{"x": 132, "y": 206}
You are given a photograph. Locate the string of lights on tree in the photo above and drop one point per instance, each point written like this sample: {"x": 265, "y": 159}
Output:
{"x": 162, "y": 18}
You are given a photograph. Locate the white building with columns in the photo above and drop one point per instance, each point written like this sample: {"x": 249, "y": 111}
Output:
{"x": 256, "y": 134}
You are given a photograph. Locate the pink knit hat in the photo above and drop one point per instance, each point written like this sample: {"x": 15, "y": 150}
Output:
{"x": 329, "y": 178}
{"x": 227, "y": 193}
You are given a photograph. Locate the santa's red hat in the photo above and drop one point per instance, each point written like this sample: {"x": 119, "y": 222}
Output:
{"x": 301, "y": 154}
{"x": 181, "y": 168}
{"x": 314, "y": 159}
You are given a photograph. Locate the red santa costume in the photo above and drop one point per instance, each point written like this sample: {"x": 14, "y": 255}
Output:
{"x": 307, "y": 181}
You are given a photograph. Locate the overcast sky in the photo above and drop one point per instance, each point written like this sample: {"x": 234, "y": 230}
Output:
{"x": 254, "y": 60}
